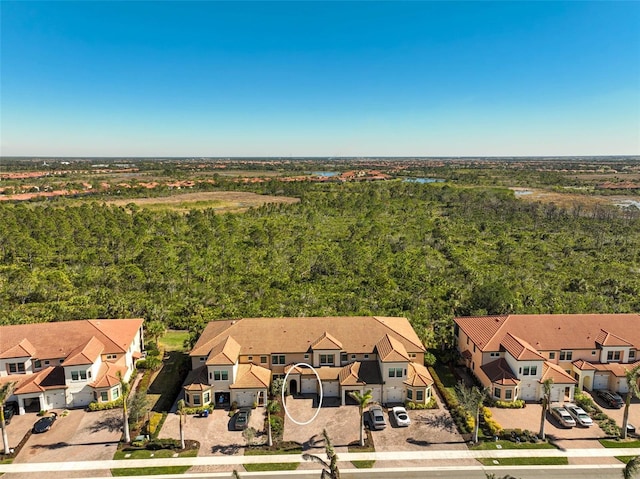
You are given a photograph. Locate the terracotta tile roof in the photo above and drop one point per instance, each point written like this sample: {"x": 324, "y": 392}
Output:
{"x": 550, "y": 332}
{"x": 24, "y": 349}
{"x": 605, "y": 338}
{"x": 520, "y": 349}
{"x": 556, "y": 373}
{"x": 391, "y": 350}
{"x": 617, "y": 369}
{"x": 251, "y": 376}
{"x": 360, "y": 373}
{"x": 48, "y": 378}
{"x": 326, "y": 341}
{"x": 326, "y": 373}
{"x": 418, "y": 376}
{"x": 499, "y": 372}
{"x": 583, "y": 365}
{"x": 226, "y": 352}
{"x": 197, "y": 380}
{"x": 108, "y": 375}
{"x": 86, "y": 353}
{"x": 296, "y": 335}
{"x": 59, "y": 339}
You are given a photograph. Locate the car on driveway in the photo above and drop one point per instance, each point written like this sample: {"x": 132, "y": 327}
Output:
{"x": 242, "y": 419}
{"x": 10, "y": 409}
{"x": 376, "y": 418}
{"x": 44, "y": 423}
{"x": 563, "y": 416}
{"x": 610, "y": 399}
{"x": 400, "y": 416}
{"x": 580, "y": 415}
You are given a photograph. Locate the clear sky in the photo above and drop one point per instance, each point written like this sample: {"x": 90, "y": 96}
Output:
{"x": 124, "y": 78}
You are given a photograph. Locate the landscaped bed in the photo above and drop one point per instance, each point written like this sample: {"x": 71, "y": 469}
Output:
{"x": 149, "y": 452}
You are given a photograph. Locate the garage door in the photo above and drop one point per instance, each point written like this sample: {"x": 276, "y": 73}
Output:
{"x": 528, "y": 392}
{"x": 55, "y": 400}
{"x": 601, "y": 381}
{"x": 245, "y": 398}
{"x": 309, "y": 385}
{"x": 376, "y": 394}
{"x": 330, "y": 389}
{"x": 82, "y": 398}
{"x": 394, "y": 395}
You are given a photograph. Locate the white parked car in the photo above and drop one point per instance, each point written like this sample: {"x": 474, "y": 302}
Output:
{"x": 400, "y": 415}
{"x": 579, "y": 414}
{"x": 563, "y": 417}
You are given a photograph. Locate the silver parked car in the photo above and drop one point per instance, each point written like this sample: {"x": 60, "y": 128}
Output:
{"x": 563, "y": 416}
{"x": 580, "y": 415}
{"x": 376, "y": 418}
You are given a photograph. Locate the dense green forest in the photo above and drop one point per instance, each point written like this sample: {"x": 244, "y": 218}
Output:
{"x": 427, "y": 252}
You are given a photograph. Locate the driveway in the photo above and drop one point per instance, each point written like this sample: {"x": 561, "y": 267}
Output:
{"x": 341, "y": 422}
{"x": 617, "y": 414}
{"x": 215, "y": 433}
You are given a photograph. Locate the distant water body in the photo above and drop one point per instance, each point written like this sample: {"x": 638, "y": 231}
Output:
{"x": 424, "y": 180}
{"x": 325, "y": 173}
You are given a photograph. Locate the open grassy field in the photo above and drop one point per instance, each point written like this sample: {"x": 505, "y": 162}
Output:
{"x": 223, "y": 201}
{"x": 571, "y": 200}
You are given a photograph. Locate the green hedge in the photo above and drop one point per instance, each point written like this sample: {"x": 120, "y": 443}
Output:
{"x": 607, "y": 424}
{"x": 431, "y": 404}
{"x": 103, "y": 406}
{"x": 458, "y": 413}
{"x": 198, "y": 410}
{"x": 517, "y": 404}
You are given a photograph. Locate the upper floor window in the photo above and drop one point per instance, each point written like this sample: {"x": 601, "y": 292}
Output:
{"x": 221, "y": 375}
{"x": 566, "y": 355}
{"x": 494, "y": 355}
{"x": 278, "y": 359}
{"x": 263, "y": 360}
{"x": 112, "y": 356}
{"x": 525, "y": 371}
{"x": 395, "y": 372}
{"x": 327, "y": 359}
{"x": 412, "y": 355}
{"x": 534, "y": 370}
{"x": 552, "y": 355}
{"x": 80, "y": 375}
{"x": 15, "y": 368}
{"x": 37, "y": 363}
{"x": 343, "y": 357}
{"x": 632, "y": 354}
{"x": 613, "y": 355}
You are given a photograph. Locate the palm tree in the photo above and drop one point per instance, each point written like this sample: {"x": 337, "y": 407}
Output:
{"x": 330, "y": 469}
{"x": 632, "y": 468}
{"x": 125, "y": 389}
{"x": 546, "y": 400}
{"x": 363, "y": 400}
{"x": 633, "y": 375}
{"x": 471, "y": 399}
{"x": 5, "y": 391}
{"x": 183, "y": 415}
{"x": 272, "y": 407}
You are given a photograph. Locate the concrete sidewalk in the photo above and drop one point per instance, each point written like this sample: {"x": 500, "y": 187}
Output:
{"x": 407, "y": 456}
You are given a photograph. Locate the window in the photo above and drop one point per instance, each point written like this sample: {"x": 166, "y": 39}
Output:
{"x": 196, "y": 400}
{"x": 593, "y": 353}
{"x": 206, "y": 397}
{"x": 279, "y": 359}
{"x": 366, "y": 356}
{"x": 412, "y": 355}
{"x": 221, "y": 375}
{"x": 263, "y": 359}
{"x": 343, "y": 357}
{"x": 353, "y": 356}
{"x": 79, "y": 375}
{"x": 507, "y": 394}
{"x": 552, "y": 355}
{"x": 115, "y": 356}
{"x": 395, "y": 372}
{"x": 566, "y": 355}
{"x": 104, "y": 396}
{"x": 115, "y": 393}
{"x": 37, "y": 364}
{"x": 419, "y": 395}
{"x": 616, "y": 355}
{"x": 250, "y": 358}
{"x": 497, "y": 393}
{"x": 327, "y": 359}
{"x": 306, "y": 356}
{"x": 16, "y": 368}
{"x": 409, "y": 394}
{"x": 525, "y": 371}
{"x": 474, "y": 348}
{"x": 534, "y": 370}
{"x": 494, "y": 355}
{"x": 46, "y": 362}
{"x": 632, "y": 354}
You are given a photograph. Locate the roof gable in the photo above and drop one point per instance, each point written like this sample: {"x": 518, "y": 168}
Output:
{"x": 418, "y": 376}
{"x": 499, "y": 372}
{"x": 87, "y": 353}
{"x": 520, "y": 349}
{"x": 391, "y": 350}
{"x": 605, "y": 338}
{"x": 326, "y": 341}
{"x": 252, "y": 376}
{"x": 24, "y": 349}
{"x": 224, "y": 353}
{"x": 555, "y": 373}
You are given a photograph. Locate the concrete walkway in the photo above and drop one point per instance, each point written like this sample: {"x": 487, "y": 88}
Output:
{"x": 450, "y": 456}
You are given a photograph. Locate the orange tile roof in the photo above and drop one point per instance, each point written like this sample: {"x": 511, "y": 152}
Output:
{"x": 605, "y": 338}
{"x": 108, "y": 375}
{"x": 360, "y": 373}
{"x": 418, "y": 376}
{"x": 556, "y": 373}
{"x": 59, "y": 339}
{"x": 349, "y": 375}
{"x": 48, "y": 378}
{"x": 24, "y": 349}
{"x": 197, "y": 380}
{"x": 86, "y": 353}
{"x": 583, "y": 365}
{"x": 251, "y": 376}
{"x": 226, "y": 352}
{"x": 326, "y": 341}
{"x": 391, "y": 350}
{"x": 550, "y": 332}
{"x": 499, "y": 372}
{"x": 296, "y": 335}
{"x": 617, "y": 369}
{"x": 520, "y": 349}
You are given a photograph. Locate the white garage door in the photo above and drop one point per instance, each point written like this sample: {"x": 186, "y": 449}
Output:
{"x": 601, "y": 381}
{"x": 330, "y": 389}
{"x": 376, "y": 394}
{"x": 82, "y": 398}
{"x": 309, "y": 385}
{"x": 55, "y": 400}
{"x": 245, "y": 398}
{"x": 394, "y": 395}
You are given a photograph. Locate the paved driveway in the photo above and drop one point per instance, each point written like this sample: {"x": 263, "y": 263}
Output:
{"x": 215, "y": 433}
{"x": 341, "y": 422}
{"x": 616, "y": 414}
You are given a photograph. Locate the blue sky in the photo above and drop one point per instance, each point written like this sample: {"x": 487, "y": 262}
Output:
{"x": 319, "y": 78}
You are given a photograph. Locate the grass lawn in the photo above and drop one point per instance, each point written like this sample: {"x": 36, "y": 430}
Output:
{"x": 526, "y": 461}
{"x": 168, "y": 381}
{"x": 449, "y": 381}
{"x": 274, "y": 466}
{"x": 624, "y": 459}
{"x": 285, "y": 448}
{"x": 624, "y": 444}
{"x": 173, "y": 340}
{"x": 493, "y": 445}
{"x": 148, "y": 471}
{"x": 363, "y": 464}
{"x": 145, "y": 454}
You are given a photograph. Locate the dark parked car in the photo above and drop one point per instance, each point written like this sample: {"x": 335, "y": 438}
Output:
{"x": 242, "y": 419}
{"x": 376, "y": 418}
{"x": 10, "y": 410}
{"x": 610, "y": 399}
{"x": 44, "y": 423}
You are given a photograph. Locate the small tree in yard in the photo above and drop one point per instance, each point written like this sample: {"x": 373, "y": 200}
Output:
{"x": 272, "y": 408}
{"x": 5, "y": 391}
{"x": 183, "y": 417}
{"x": 363, "y": 400}
{"x": 632, "y": 375}
{"x": 546, "y": 399}
{"x": 330, "y": 466}
{"x": 125, "y": 388}
{"x": 471, "y": 400}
